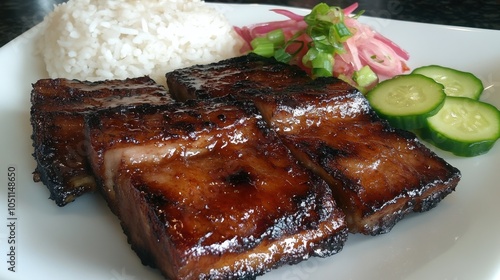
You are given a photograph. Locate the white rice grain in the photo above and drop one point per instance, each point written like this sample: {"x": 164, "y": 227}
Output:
{"x": 117, "y": 39}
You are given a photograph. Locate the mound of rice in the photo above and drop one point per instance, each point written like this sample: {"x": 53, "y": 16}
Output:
{"x": 116, "y": 39}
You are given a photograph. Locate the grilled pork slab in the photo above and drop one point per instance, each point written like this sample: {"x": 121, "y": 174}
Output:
{"x": 58, "y": 107}
{"x": 378, "y": 174}
{"x": 245, "y": 75}
{"x": 204, "y": 190}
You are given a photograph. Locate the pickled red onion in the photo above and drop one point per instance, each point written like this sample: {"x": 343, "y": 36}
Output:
{"x": 365, "y": 47}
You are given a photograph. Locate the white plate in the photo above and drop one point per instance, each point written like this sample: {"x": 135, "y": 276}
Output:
{"x": 459, "y": 239}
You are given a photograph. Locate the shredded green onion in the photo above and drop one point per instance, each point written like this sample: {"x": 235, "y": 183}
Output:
{"x": 328, "y": 32}
{"x": 262, "y": 46}
{"x": 282, "y": 55}
{"x": 274, "y": 44}
{"x": 342, "y": 33}
{"x": 277, "y": 37}
{"x": 259, "y": 41}
{"x": 365, "y": 78}
{"x": 322, "y": 65}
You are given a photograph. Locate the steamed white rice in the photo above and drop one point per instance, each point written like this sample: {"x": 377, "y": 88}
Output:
{"x": 116, "y": 39}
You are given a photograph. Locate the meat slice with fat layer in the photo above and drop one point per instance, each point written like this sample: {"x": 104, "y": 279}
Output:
{"x": 378, "y": 174}
{"x": 206, "y": 190}
{"x": 57, "y": 112}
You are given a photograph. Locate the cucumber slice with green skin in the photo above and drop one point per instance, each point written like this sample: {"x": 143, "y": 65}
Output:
{"x": 406, "y": 101}
{"x": 464, "y": 126}
{"x": 456, "y": 82}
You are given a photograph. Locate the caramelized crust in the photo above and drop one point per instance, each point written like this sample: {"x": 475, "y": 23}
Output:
{"x": 245, "y": 75}
{"x": 205, "y": 190}
{"x": 378, "y": 174}
{"x": 262, "y": 167}
{"x": 58, "y": 106}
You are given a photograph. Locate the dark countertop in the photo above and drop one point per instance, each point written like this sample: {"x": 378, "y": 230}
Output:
{"x": 18, "y": 16}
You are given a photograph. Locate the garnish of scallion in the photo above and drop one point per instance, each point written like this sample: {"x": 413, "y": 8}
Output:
{"x": 329, "y": 41}
{"x": 328, "y": 32}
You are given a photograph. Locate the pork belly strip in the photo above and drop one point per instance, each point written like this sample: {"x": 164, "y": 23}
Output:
{"x": 378, "y": 174}
{"x": 245, "y": 75}
{"x": 205, "y": 190}
{"x": 58, "y": 107}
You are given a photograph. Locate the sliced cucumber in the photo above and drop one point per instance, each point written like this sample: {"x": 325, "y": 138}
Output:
{"x": 456, "y": 82}
{"x": 406, "y": 101}
{"x": 464, "y": 126}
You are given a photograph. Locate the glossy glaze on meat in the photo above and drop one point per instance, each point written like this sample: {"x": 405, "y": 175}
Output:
{"x": 205, "y": 190}
{"x": 58, "y": 106}
{"x": 378, "y": 174}
{"x": 228, "y": 188}
{"x": 245, "y": 75}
